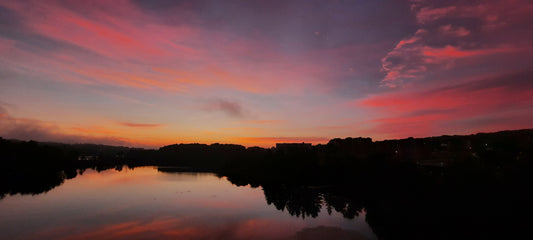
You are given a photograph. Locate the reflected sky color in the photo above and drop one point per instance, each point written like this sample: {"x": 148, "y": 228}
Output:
{"x": 152, "y": 73}
{"x": 146, "y": 204}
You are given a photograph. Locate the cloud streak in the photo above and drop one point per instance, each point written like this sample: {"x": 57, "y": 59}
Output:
{"x": 140, "y": 125}
{"x": 452, "y": 109}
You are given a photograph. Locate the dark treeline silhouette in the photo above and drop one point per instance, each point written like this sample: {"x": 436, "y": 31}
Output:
{"x": 32, "y": 167}
{"x": 476, "y": 186}
{"x": 410, "y": 203}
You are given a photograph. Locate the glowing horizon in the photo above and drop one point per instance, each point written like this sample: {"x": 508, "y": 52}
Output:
{"x": 153, "y": 73}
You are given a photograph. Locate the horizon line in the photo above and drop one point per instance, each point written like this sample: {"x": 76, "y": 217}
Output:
{"x": 209, "y": 144}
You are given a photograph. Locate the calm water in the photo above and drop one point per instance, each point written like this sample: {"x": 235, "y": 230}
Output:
{"x": 146, "y": 204}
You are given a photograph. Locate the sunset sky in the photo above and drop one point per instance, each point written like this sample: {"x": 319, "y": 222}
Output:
{"x": 151, "y": 73}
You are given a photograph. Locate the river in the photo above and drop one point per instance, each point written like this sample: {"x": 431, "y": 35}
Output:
{"x": 144, "y": 203}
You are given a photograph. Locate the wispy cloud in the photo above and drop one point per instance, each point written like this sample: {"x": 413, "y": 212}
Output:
{"x": 121, "y": 45}
{"x": 140, "y": 125}
{"x": 441, "y": 110}
{"x": 264, "y": 121}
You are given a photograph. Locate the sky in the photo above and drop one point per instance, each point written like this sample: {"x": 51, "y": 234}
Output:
{"x": 149, "y": 73}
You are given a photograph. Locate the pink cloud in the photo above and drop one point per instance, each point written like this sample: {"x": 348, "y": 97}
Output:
{"x": 441, "y": 44}
{"x": 427, "y": 14}
{"x": 454, "y": 31}
{"x": 408, "y": 40}
{"x": 264, "y": 121}
{"x": 401, "y": 63}
{"x": 449, "y": 53}
{"x": 128, "y": 40}
{"x": 411, "y": 59}
{"x": 122, "y": 51}
{"x": 94, "y": 32}
{"x": 435, "y": 111}
{"x": 6, "y": 44}
{"x": 454, "y": 52}
{"x": 498, "y": 15}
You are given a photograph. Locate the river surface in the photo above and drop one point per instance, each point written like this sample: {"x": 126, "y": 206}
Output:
{"x": 144, "y": 203}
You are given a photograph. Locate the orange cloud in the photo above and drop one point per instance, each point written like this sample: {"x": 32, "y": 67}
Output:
{"x": 140, "y": 125}
{"x": 32, "y": 129}
{"x": 97, "y": 130}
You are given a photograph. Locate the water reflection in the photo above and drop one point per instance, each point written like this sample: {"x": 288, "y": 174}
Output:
{"x": 172, "y": 203}
{"x": 30, "y": 182}
{"x": 145, "y": 203}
